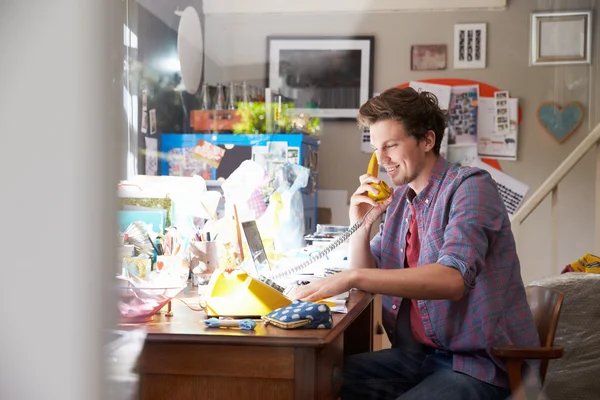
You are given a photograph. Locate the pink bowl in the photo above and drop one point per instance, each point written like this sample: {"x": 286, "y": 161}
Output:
{"x": 139, "y": 304}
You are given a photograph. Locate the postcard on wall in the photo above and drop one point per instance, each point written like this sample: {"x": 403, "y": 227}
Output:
{"x": 498, "y": 131}
{"x": 151, "y": 156}
{"x": 153, "y": 121}
{"x": 462, "y": 115}
{"x": 144, "y": 128}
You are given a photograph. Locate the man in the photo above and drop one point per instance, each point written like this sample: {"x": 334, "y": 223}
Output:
{"x": 444, "y": 261}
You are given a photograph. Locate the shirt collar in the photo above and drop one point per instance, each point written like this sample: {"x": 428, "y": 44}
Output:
{"x": 435, "y": 178}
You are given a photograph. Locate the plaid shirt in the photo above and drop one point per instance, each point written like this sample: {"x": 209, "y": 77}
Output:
{"x": 463, "y": 224}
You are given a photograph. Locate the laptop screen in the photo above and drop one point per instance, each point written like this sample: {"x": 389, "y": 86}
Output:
{"x": 255, "y": 244}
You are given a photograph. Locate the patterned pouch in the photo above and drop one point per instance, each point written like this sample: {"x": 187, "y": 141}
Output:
{"x": 301, "y": 314}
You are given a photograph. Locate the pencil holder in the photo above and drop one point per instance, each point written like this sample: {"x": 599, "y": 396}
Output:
{"x": 175, "y": 266}
{"x": 203, "y": 261}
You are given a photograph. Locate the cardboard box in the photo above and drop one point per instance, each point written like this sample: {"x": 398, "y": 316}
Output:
{"x": 324, "y": 216}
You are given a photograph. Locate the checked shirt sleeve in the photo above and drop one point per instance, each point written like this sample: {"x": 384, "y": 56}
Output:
{"x": 476, "y": 211}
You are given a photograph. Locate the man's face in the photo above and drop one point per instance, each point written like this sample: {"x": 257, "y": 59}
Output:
{"x": 402, "y": 156}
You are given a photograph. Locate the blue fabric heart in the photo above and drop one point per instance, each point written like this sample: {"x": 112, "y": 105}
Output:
{"x": 560, "y": 122}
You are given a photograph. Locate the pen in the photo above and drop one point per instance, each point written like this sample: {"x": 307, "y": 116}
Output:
{"x": 153, "y": 246}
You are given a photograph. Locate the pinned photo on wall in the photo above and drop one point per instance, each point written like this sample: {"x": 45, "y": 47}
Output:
{"x": 293, "y": 155}
{"x": 144, "y": 101}
{"x": 208, "y": 153}
{"x": 462, "y": 115}
{"x": 153, "y": 121}
{"x": 144, "y": 128}
{"x": 502, "y": 112}
{"x": 277, "y": 151}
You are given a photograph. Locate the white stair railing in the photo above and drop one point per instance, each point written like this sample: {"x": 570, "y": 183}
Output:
{"x": 550, "y": 186}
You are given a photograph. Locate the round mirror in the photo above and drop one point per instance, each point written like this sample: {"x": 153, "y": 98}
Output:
{"x": 190, "y": 49}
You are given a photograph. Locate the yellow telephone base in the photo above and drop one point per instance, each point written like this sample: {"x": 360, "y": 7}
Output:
{"x": 240, "y": 295}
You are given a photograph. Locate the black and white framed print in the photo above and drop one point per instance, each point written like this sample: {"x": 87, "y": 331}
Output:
{"x": 324, "y": 76}
{"x": 469, "y": 46}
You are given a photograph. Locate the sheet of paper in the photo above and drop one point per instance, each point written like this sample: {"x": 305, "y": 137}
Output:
{"x": 463, "y": 155}
{"x": 492, "y": 143}
{"x": 151, "y": 156}
{"x": 365, "y": 140}
{"x": 443, "y": 94}
{"x": 511, "y": 190}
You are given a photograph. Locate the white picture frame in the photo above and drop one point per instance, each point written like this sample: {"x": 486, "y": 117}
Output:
{"x": 316, "y": 59}
{"x": 470, "y": 46}
{"x": 561, "y": 37}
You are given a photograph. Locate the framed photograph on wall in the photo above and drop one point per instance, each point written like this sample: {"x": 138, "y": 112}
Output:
{"x": 324, "y": 76}
{"x": 427, "y": 57}
{"x": 562, "y": 37}
{"x": 470, "y": 46}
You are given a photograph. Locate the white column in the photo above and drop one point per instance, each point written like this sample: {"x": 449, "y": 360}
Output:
{"x": 58, "y": 112}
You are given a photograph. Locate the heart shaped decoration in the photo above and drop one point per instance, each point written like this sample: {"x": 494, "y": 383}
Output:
{"x": 160, "y": 265}
{"x": 560, "y": 122}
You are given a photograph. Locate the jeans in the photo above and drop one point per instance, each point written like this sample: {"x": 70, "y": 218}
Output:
{"x": 406, "y": 374}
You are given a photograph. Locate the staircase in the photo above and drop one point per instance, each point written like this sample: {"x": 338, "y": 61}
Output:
{"x": 550, "y": 187}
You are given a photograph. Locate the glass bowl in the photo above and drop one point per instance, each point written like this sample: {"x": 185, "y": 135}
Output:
{"x": 138, "y": 301}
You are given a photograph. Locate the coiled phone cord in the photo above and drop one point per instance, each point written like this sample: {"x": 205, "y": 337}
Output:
{"x": 320, "y": 254}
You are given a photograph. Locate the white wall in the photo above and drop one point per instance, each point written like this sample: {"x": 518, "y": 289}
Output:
{"x": 236, "y": 46}
{"x": 58, "y": 193}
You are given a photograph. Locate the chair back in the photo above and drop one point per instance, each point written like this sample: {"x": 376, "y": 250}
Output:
{"x": 545, "y": 305}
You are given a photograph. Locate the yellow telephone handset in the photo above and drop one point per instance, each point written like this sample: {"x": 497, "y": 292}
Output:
{"x": 384, "y": 190}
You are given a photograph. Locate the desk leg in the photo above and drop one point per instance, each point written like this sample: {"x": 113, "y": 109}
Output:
{"x": 358, "y": 338}
{"x": 305, "y": 359}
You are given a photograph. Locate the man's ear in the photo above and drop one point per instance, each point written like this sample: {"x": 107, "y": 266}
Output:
{"x": 429, "y": 140}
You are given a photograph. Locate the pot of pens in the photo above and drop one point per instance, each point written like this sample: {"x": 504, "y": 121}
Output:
{"x": 203, "y": 258}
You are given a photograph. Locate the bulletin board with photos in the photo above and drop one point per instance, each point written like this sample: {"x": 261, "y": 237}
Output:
{"x": 483, "y": 127}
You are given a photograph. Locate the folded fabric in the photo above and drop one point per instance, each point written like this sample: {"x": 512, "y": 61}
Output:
{"x": 301, "y": 314}
{"x": 588, "y": 263}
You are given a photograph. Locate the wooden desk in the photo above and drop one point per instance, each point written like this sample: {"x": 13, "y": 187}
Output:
{"x": 182, "y": 359}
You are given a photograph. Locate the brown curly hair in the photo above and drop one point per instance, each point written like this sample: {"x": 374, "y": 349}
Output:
{"x": 418, "y": 112}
